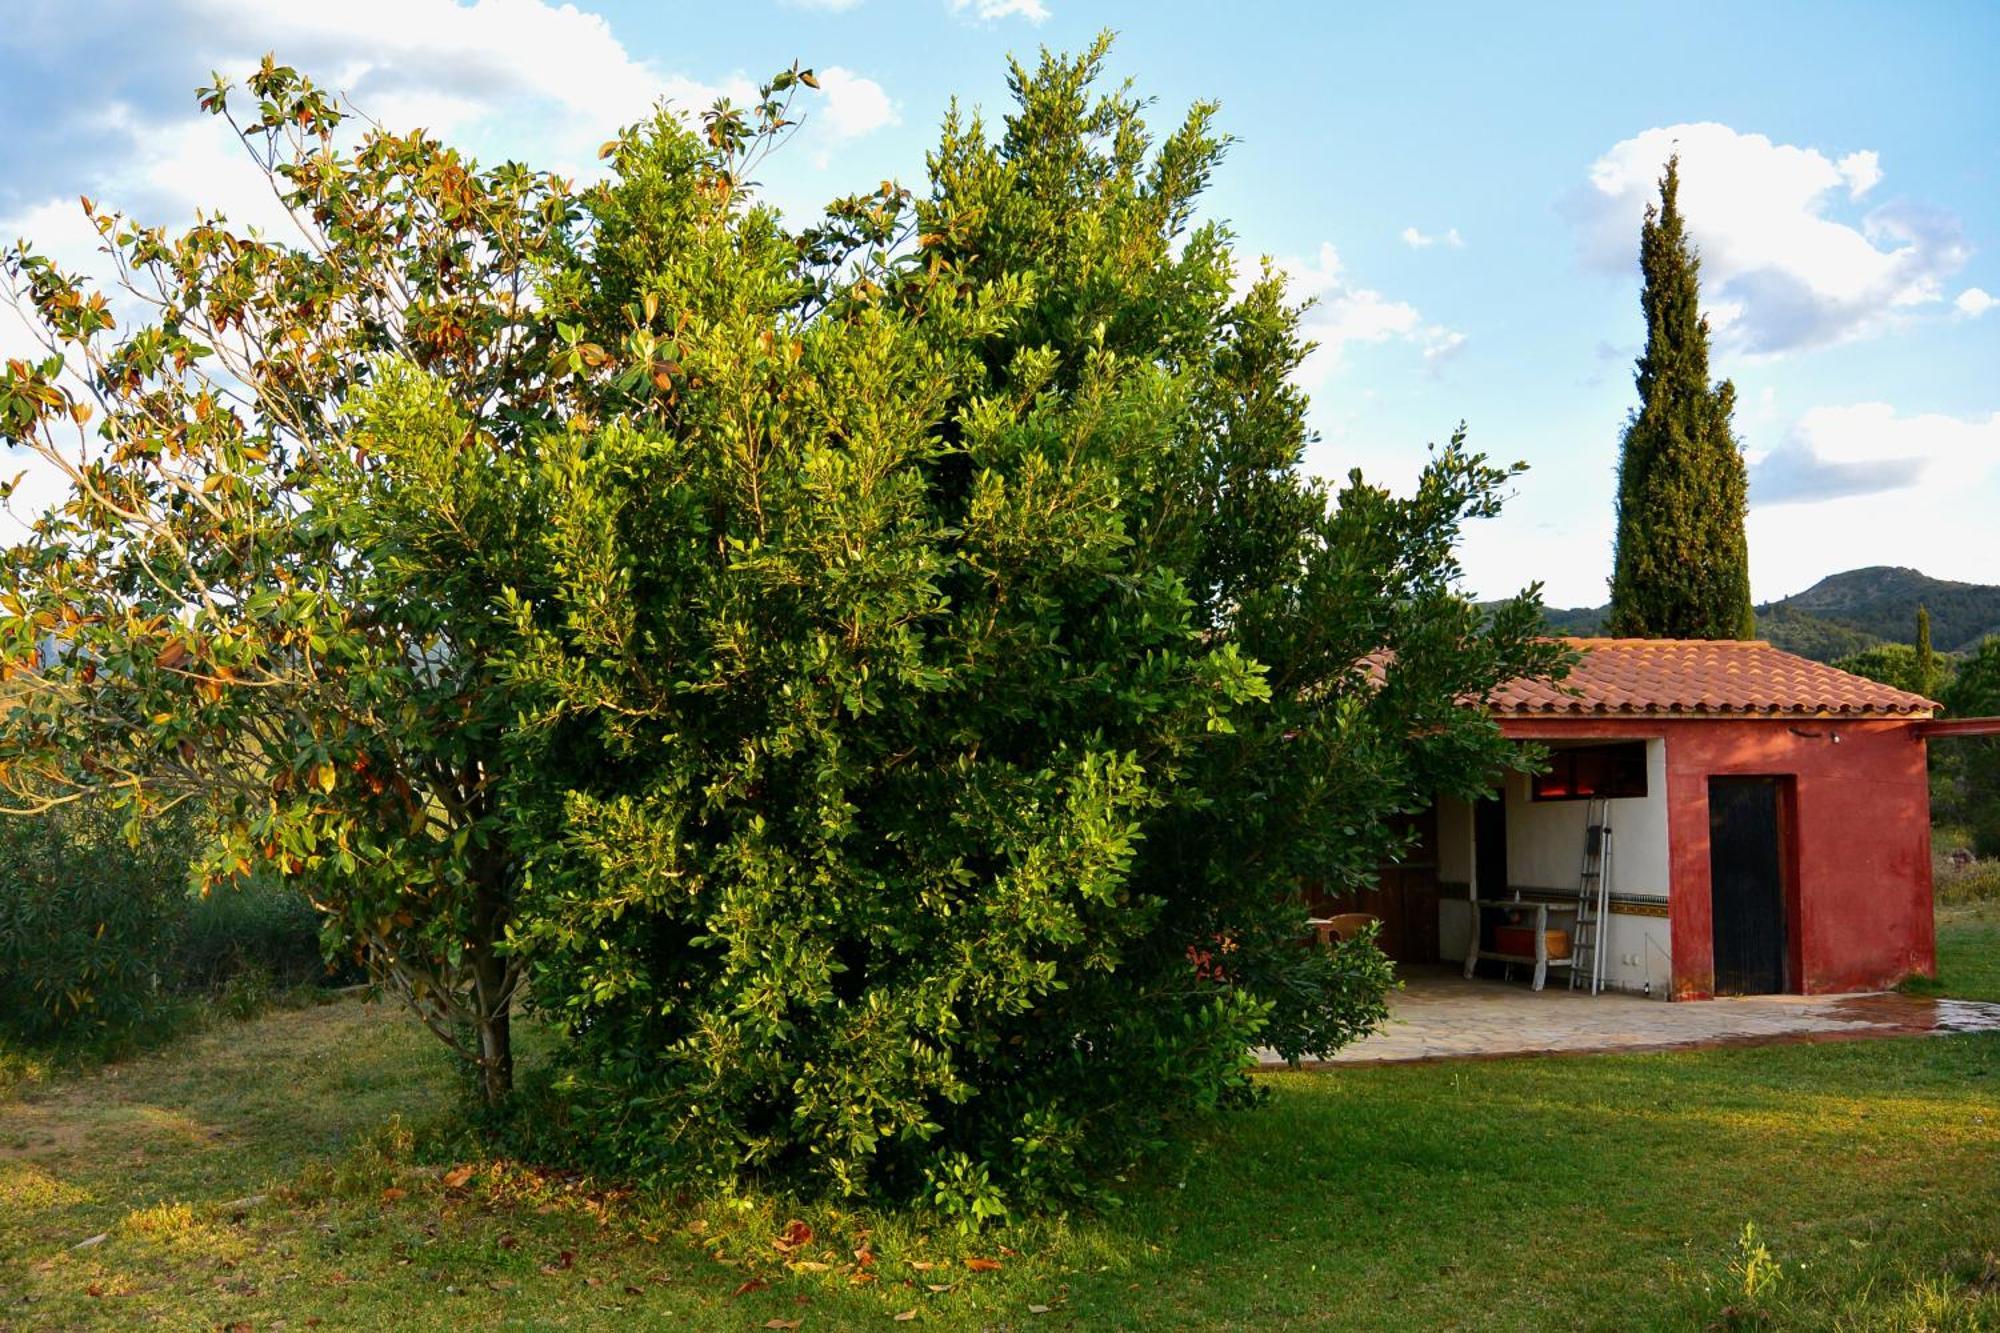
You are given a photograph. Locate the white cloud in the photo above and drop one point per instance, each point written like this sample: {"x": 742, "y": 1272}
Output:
{"x": 989, "y": 11}
{"x": 1868, "y": 449}
{"x": 1418, "y": 240}
{"x": 851, "y": 105}
{"x": 549, "y": 82}
{"x": 1892, "y": 490}
{"x": 1974, "y": 302}
{"x": 1343, "y": 314}
{"x": 1779, "y": 274}
{"x": 1862, "y": 171}
{"x": 541, "y": 82}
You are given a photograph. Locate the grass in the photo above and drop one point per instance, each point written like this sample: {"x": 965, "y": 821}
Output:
{"x": 1599, "y": 1192}
{"x": 1968, "y": 944}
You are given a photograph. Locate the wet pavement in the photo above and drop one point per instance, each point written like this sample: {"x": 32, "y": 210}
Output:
{"x": 1439, "y": 1015}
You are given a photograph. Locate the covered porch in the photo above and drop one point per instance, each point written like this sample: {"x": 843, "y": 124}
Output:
{"x": 1494, "y": 870}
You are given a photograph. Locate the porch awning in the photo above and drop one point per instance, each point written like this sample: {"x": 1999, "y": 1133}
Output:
{"x": 1959, "y": 726}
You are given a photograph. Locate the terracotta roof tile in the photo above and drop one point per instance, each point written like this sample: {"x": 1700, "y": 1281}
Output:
{"x": 1703, "y": 678}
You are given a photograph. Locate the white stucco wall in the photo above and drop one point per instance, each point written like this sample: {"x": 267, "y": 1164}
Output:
{"x": 1545, "y": 838}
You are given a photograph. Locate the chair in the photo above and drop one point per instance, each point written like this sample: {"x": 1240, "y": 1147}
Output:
{"x": 1342, "y": 928}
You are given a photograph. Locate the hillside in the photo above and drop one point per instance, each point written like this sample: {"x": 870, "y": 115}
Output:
{"x": 1882, "y": 601}
{"x": 1845, "y": 613}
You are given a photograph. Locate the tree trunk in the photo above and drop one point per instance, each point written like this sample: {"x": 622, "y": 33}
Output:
{"x": 492, "y": 990}
{"x": 496, "y": 1056}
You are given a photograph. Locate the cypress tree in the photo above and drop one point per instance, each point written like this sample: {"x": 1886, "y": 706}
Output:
{"x": 1682, "y": 566}
{"x": 1927, "y": 660}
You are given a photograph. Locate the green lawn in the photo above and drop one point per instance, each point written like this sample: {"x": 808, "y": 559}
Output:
{"x": 1598, "y": 1192}
{"x": 1969, "y": 951}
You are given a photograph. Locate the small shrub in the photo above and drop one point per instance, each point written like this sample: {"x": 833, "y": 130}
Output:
{"x": 101, "y": 938}
{"x": 87, "y": 920}
{"x": 246, "y": 994}
{"x": 1956, "y": 879}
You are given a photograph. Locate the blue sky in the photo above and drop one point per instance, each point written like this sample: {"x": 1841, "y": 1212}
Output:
{"x": 1460, "y": 185}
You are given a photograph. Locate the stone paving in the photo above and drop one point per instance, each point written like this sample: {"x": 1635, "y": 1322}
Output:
{"x": 1438, "y": 1015}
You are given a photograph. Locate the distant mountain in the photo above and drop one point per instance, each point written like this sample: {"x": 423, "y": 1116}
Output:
{"x": 1882, "y": 601}
{"x": 1843, "y": 614}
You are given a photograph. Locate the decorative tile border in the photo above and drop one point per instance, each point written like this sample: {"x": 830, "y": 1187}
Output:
{"x": 1621, "y": 904}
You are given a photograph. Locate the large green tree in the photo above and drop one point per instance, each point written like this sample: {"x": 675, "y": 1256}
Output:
{"x": 1682, "y": 566}
{"x": 273, "y": 584}
{"x": 883, "y": 687}
{"x": 947, "y": 704}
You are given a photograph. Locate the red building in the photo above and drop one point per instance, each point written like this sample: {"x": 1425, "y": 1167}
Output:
{"x": 1770, "y": 817}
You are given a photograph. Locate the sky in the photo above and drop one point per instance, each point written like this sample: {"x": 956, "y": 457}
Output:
{"x": 1459, "y": 188}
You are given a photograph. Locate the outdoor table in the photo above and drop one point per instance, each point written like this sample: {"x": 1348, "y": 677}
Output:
{"x": 1541, "y": 912}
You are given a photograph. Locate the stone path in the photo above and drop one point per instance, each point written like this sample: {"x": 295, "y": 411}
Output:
{"x": 1440, "y": 1016}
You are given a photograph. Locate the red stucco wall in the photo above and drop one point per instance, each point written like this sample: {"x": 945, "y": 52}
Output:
{"x": 1858, "y": 911}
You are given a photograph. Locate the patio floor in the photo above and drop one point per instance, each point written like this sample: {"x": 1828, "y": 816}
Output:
{"x": 1439, "y": 1015}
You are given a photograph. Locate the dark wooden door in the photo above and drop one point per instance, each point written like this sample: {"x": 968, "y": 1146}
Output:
{"x": 1747, "y": 878}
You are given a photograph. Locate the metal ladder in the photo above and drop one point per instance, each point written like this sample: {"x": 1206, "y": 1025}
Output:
{"x": 1593, "y": 898}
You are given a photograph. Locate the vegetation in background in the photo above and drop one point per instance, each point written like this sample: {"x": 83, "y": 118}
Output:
{"x": 88, "y": 921}
{"x": 102, "y": 941}
{"x": 1958, "y": 877}
{"x": 1969, "y": 766}
{"x": 1915, "y": 666}
{"x": 1682, "y": 567}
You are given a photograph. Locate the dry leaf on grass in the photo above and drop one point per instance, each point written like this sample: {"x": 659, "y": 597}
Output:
{"x": 456, "y": 1178}
{"x": 1038, "y": 1309}
{"x": 795, "y": 1236}
{"x": 754, "y": 1284}
{"x": 392, "y": 1194}
{"x": 905, "y": 1316}
{"x": 984, "y": 1265}
{"x": 783, "y": 1323}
